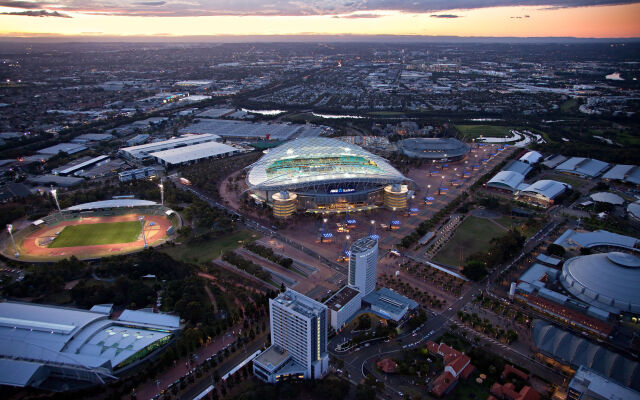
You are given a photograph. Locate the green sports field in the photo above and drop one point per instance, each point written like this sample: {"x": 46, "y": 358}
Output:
{"x": 474, "y": 234}
{"x": 93, "y": 234}
{"x": 474, "y": 131}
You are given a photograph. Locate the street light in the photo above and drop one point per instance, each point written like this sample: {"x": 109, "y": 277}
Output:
{"x": 141, "y": 219}
{"x": 15, "y": 248}
{"x": 161, "y": 186}
{"x": 54, "y": 193}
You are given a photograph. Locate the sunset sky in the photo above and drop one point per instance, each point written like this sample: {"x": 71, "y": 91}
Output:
{"x": 524, "y": 18}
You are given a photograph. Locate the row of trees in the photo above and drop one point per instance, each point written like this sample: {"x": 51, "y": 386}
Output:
{"x": 246, "y": 265}
{"x": 268, "y": 253}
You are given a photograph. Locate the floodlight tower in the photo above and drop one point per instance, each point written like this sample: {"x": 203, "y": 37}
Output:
{"x": 323, "y": 229}
{"x": 393, "y": 211}
{"x": 54, "y": 193}
{"x": 15, "y": 248}
{"x": 161, "y": 186}
{"x": 372, "y": 228}
{"x": 345, "y": 250}
{"x": 141, "y": 219}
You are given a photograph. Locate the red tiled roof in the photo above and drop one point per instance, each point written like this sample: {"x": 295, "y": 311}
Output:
{"x": 442, "y": 383}
{"x": 468, "y": 370}
{"x": 387, "y": 365}
{"x": 459, "y": 363}
{"x": 510, "y": 369}
{"x": 571, "y": 315}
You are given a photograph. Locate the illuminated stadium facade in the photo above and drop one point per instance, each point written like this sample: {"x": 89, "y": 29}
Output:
{"x": 437, "y": 149}
{"x": 324, "y": 174}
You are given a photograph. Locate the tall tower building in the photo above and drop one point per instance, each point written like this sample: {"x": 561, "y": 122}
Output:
{"x": 363, "y": 265}
{"x": 298, "y": 349}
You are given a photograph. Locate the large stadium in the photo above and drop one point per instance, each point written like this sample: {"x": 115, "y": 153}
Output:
{"x": 325, "y": 175}
{"x": 435, "y": 149}
{"x": 94, "y": 230}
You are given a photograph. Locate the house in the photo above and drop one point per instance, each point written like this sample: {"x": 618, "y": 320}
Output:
{"x": 456, "y": 365}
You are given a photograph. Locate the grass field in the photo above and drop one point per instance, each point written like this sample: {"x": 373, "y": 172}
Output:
{"x": 92, "y": 234}
{"x": 474, "y": 131}
{"x": 474, "y": 234}
{"x": 204, "y": 252}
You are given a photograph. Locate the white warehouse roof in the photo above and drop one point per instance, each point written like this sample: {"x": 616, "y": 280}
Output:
{"x": 606, "y": 197}
{"x": 531, "y": 157}
{"x": 143, "y": 150}
{"x": 509, "y": 180}
{"x": 547, "y": 188}
{"x": 573, "y": 239}
{"x": 583, "y": 166}
{"x": 194, "y": 152}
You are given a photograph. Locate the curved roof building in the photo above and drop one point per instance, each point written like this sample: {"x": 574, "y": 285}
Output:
{"x": 506, "y": 180}
{"x": 434, "y": 148}
{"x": 321, "y": 171}
{"x": 606, "y": 280}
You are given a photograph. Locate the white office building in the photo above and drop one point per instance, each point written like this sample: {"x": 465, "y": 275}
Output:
{"x": 363, "y": 265}
{"x": 298, "y": 340}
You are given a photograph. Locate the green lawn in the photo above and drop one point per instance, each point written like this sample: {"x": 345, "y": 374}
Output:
{"x": 204, "y": 252}
{"x": 93, "y": 234}
{"x": 473, "y": 235}
{"x": 474, "y": 131}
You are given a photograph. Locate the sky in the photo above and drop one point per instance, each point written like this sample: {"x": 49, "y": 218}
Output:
{"x": 184, "y": 18}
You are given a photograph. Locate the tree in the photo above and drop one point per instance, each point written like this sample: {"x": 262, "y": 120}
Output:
{"x": 474, "y": 270}
{"x": 556, "y": 250}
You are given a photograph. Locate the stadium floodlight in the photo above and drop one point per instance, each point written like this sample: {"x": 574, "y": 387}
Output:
{"x": 161, "y": 186}
{"x": 345, "y": 250}
{"x": 54, "y": 193}
{"x": 144, "y": 239}
{"x": 15, "y": 248}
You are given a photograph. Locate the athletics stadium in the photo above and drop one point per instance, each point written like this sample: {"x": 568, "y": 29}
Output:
{"x": 325, "y": 175}
{"x": 94, "y": 230}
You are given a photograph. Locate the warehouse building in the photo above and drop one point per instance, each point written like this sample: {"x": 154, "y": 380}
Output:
{"x": 193, "y": 153}
{"x": 143, "y": 151}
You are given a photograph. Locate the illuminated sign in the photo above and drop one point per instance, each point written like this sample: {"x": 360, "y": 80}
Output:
{"x": 341, "y": 190}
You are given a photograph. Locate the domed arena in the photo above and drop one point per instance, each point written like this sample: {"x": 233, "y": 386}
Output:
{"x": 606, "y": 280}
{"x": 320, "y": 174}
{"x": 438, "y": 149}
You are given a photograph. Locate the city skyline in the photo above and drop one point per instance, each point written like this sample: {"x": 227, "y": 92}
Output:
{"x": 168, "y": 19}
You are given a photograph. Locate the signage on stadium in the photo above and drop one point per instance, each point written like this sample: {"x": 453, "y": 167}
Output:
{"x": 341, "y": 190}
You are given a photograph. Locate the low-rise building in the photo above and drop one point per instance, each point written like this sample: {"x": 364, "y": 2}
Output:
{"x": 343, "y": 305}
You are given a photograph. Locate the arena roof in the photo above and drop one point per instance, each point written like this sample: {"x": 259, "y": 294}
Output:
{"x": 69, "y": 341}
{"x": 634, "y": 209}
{"x": 606, "y": 280}
{"x": 574, "y": 239}
{"x": 583, "y": 166}
{"x": 606, "y": 197}
{"x": 626, "y": 173}
{"x": 547, "y": 188}
{"x": 115, "y": 203}
{"x": 575, "y": 351}
{"x": 308, "y": 161}
{"x": 508, "y": 180}
{"x": 433, "y": 148}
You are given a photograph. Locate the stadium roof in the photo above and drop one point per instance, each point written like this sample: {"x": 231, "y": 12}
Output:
{"x": 68, "y": 341}
{"x": 531, "y": 157}
{"x": 518, "y": 166}
{"x": 299, "y": 163}
{"x": 547, "y": 188}
{"x": 605, "y": 280}
{"x": 575, "y": 351}
{"x": 606, "y": 197}
{"x": 573, "y": 239}
{"x": 509, "y": 180}
{"x": 115, "y": 203}
{"x": 194, "y": 152}
{"x": 433, "y": 147}
{"x": 587, "y": 167}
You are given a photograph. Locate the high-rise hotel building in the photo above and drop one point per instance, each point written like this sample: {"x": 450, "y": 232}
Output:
{"x": 298, "y": 340}
{"x": 363, "y": 265}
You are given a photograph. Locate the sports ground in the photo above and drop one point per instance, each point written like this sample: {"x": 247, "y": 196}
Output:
{"x": 93, "y": 234}
{"x": 93, "y": 237}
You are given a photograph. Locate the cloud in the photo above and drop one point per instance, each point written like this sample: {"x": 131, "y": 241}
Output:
{"x": 28, "y": 5}
{"x": 356, "y": 16}
{"x": 445, "y": 16}
{"x": 37, "y": 13}
{"x": 150, "y": 3}
{"x": 339, "y": 8}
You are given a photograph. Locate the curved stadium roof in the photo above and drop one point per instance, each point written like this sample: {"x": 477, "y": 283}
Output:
{"x": 606, "y": 280}
{"x": 508, "y": 180}
{"x": 309, "y": 161}
{"x": 433, "y": 147}
{"x": 96, "y": 205}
